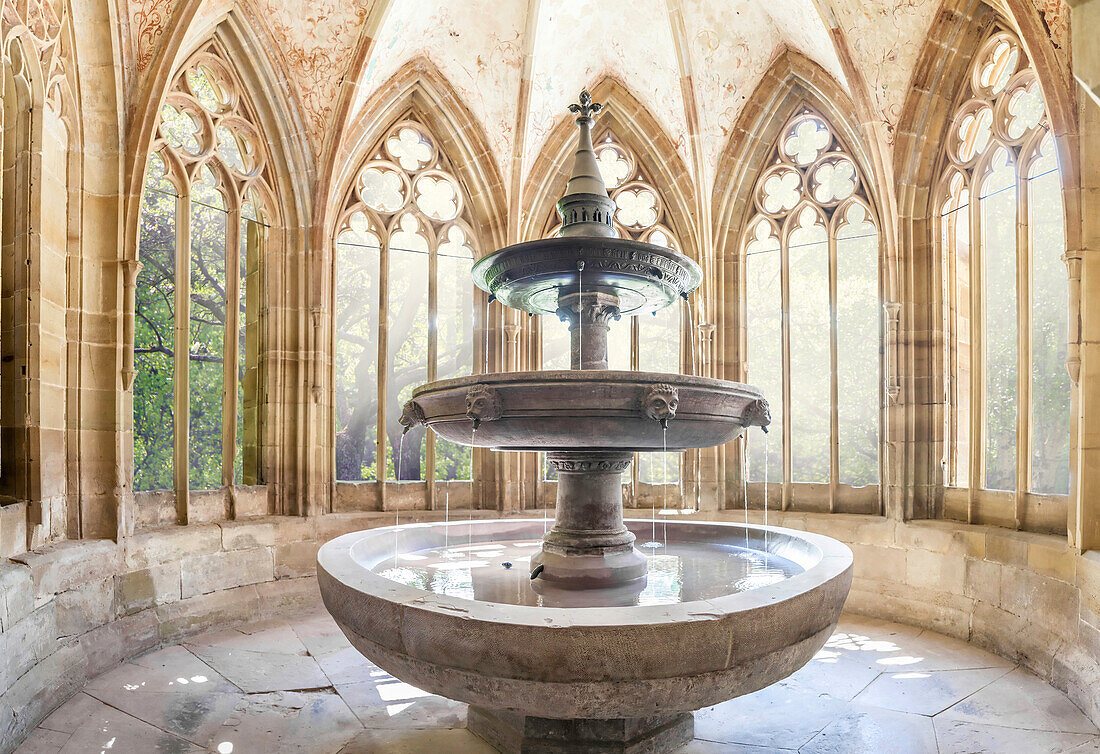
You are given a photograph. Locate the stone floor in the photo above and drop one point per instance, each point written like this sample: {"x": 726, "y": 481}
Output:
{"x": 296, "y": 685}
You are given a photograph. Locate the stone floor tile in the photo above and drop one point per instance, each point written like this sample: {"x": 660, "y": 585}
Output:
{"x": 346, "y": 665}
{"x": 195, "y": 716}
{"x": 257, "y": 672}
{"x": 315, "y": 722}
{"x": 385, "y": 702}
{"x": 925, "y": 651}
{"x": 958, "y": 736}
{"x": 272, "y": 636}
{"x": 926, "y": 692}
{"x": 43, "y": 741}
{"x": 833, "y": 673}
{"x": 698, "y": 746}
{"x": 454, "y": 741}
{"x": 321, "y": 635}
{"x": 1021, "y": 700}
{"x": 875, "y": 627}
{"x": 72, "y": 714}
{"x": 775, "y": 716}
{"x": 872, "y": 730}
{"x": 1089, "y": 747}
{"x": 106, "y": 729}
{"x": 172, "y": 669}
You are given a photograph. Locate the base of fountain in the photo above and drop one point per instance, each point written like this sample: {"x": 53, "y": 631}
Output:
{"x": 597, "y": 568}
{"x": 514, "y": 733}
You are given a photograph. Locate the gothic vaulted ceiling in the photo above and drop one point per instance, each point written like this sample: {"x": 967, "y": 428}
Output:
{"x": 516, "y": 64}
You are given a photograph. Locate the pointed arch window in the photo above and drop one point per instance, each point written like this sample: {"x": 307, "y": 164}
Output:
{"x": 197, "y": 320}
{"x": 650, "y": 343}
{"x": 404, "y": 307}
{"x": 812, "y": 314}
{"x": 1002, "y": 235}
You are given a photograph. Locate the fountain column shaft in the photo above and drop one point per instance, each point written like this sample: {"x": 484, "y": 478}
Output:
{"x": 589, "y": 316}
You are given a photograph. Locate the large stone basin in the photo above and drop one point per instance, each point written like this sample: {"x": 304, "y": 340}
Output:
{"x": 516, "y": 662}
{"x": 571, "y": 409}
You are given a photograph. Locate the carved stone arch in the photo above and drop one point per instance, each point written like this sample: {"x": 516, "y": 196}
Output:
{"x": 419, "y": 88}
{"x": 792, "y": 83}
{"x": 638, "y": 130}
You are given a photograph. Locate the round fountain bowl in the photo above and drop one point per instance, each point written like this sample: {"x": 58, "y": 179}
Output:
{"x": 572, "y": 409}
{"x": 500, "y": 648}
{"x": 530, "y": 275}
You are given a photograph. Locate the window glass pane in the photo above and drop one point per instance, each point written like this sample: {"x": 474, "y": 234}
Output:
{"x": 858, "y": 334}
{"x": 764, "y": 361}
{"x": 407, "y": 307}
{"x": 154, "y": 347}
{"x": 555, "y": 342}
{"x": 810, "y": 358}
{"x": 618, "y": 344}
{"x": 659, "y": 340}
{"x": 955, "y": 229}
{"x": 207, "y": 333}
{"x": 247, "y": 386}
{"x": 455, "y": 323}
{"x": 357, "y": 281}
{"x": 1050, "y": 385}
{"x": 998, "y": 214}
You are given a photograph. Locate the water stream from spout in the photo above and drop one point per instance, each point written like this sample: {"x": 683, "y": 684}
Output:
{"x": 580, "y": 315}
{"x": 765, "y": 495}
{"x": 447, "y": 519}
{"x": 488, "y": 301}
{"x": 745, "y": 482}
{"x": 397, "y": 504}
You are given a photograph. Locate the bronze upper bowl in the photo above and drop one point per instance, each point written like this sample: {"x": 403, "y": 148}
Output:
{"x": 587, "y": 409}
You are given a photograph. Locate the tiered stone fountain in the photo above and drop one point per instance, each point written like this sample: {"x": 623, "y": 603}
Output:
{"x": 573, "y": 639}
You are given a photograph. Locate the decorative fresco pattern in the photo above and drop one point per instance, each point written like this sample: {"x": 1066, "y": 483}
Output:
{"x": 476, "y": 49}
{"x": 886, "y": 38}
{"x": 1055, "y": 14}
{"x": 318, "y": 39}
{"x": 148, "y": 20}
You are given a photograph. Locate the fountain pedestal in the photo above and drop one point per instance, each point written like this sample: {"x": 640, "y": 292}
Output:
{"x": 526, "y": 734}
{"x": 589, "y": 547}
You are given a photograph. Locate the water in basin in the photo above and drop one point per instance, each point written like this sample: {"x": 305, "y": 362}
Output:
{"x": 678, "y": 572}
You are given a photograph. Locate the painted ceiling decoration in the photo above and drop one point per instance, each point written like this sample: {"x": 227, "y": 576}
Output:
{"x": 692, "y": 63}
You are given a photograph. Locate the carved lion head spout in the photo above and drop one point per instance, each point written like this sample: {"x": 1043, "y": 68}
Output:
{"x": 411, "y": 416}
{"x": 660, "y": 402}
{"x": 483, "y": 405}
{"x": 758, "y": 413}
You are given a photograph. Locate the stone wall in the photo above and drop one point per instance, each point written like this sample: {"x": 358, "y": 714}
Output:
{"x": 73, "y": 610}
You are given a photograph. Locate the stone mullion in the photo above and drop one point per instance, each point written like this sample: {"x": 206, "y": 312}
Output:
{"x": 433, "y": 368}
{"x": 382, "y": 370}
{"x": 181, "y": 332}
{"x": 1023, "y": 345}
{"x": 231, "y": 347}
{"x": 976, "y": 476}
{"x": 785, "y": 310}
{"x": 834, "y": 387}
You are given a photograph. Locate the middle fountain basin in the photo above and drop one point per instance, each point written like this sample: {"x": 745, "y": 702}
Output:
{"x": 590, "y": 662}
{"x": 571, "y": 409}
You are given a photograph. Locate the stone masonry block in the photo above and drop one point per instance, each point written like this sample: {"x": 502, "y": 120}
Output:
{"x": 296, "y": 559}
{"x": 67, "y": 565}
{"x": 879, "y": 563}
{"x": 16, "y": 594}
{"x": 983, "y": 580}
{"x": 148, "y": 587}
{"x": 86, "y": 607}
{"x": 241, "y": 535}
{"x": 931, "y": 570}
{"x": 171, "y": 544}
{"x": 224, "y": 570}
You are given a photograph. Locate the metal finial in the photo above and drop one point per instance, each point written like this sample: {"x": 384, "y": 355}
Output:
{"x": 587, "y": 108}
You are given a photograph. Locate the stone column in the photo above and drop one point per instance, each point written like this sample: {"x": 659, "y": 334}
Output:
{"x": 588, "y": 315}
{"x": 589, "y": 545}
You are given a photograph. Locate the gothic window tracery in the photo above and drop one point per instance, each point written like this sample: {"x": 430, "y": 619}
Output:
{"x": 403, "y": 256}
{"x": 812, "y": 308}
{"x": 205, "y": 210}
{"x": 1000, "y": 221}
